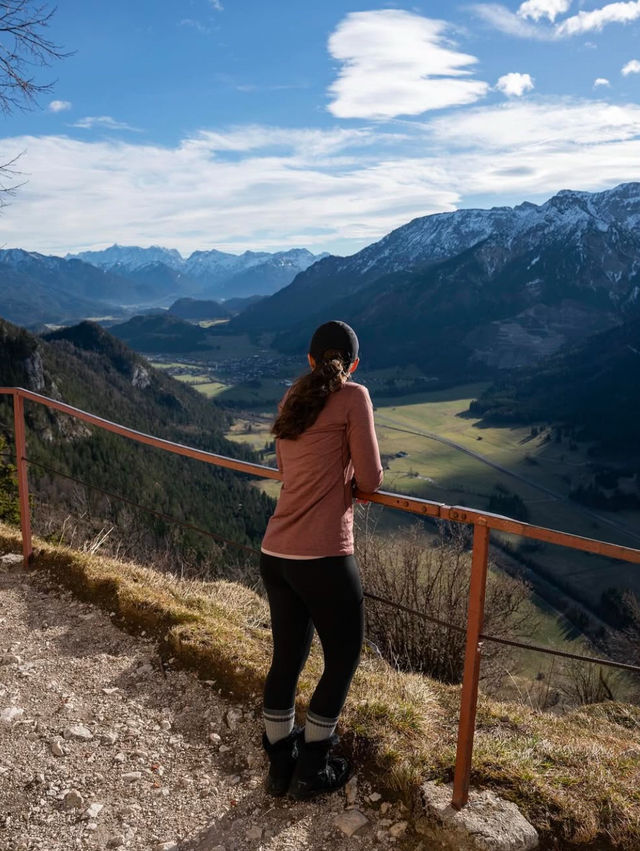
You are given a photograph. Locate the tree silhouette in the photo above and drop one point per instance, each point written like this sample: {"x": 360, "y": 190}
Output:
{"x": 24, "y": 51}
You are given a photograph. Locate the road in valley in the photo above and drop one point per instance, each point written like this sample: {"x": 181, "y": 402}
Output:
{"x": 388, "y": 422}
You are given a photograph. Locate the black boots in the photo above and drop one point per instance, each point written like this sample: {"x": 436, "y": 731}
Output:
{"x": 282, "y": 760}
{"x": 315, "y": 771}
{"x": 304, "y": 769}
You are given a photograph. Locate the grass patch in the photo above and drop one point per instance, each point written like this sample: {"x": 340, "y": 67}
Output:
{"x": 575, "y": 777}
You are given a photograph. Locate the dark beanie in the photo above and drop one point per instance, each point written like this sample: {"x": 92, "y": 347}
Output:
{"x": 334, "y": 335}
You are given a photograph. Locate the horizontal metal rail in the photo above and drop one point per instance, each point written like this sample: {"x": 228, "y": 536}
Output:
{"x": 413, "y": 505}
{"x": 483, "y": 522}
{"x": 495, "y": 639}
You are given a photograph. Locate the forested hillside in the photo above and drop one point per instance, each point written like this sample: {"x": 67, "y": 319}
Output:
{"x": 591, "y": 388}
{"x": 87, "y": 367}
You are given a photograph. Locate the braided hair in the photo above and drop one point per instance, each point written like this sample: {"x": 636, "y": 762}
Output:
{"x": 308, "y": 395}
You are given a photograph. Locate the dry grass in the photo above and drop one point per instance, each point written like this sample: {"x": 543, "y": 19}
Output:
{"x": 576, "y": 777}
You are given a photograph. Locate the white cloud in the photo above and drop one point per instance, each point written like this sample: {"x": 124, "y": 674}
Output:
{"x": 506, "y": 21}
{"x": 217, "y": 5}
{"x": 601, "y": 81}
{"x": 622, "y": 13}
{"x": 105, "y": 121}
{"x": 564, "y": 122}
{"x": 632, "y": 67}
{"x": 257, "y": 187}
{"x": 515, "y": 84}
{"x": 336, "y": 189}
{"x": 537, "y": 9}
{"x": 59, "y": 105}
{"x": 397, "y": 63}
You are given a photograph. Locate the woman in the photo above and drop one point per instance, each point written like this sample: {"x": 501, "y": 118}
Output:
{"x": 325, "y": 445}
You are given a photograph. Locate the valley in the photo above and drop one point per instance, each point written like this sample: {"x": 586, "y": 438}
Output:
{"x": 500, "y": 348}
{"x": 434, "y": 449}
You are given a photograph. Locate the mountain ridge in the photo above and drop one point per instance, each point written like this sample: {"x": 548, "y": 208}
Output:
{"x": 480, "y": 288}
{"x": 87, "y": 367}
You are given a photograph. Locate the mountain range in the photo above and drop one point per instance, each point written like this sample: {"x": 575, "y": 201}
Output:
{"x": 473, "y": 292}
{"x": 205, "y": 274}
{"x": 37, "y": 288}
{"x": 465, "y": 294}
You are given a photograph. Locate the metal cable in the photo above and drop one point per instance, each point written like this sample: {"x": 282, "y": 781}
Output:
{"x": 415, "y": 612}
{"x": 423, "y": 615}
{"x": 563, "y": 653}
{"x": 154, "y": 511}
{"x": 508, "y": 641}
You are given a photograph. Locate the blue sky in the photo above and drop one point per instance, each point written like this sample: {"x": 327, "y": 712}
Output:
{"x": 241, "y": 124}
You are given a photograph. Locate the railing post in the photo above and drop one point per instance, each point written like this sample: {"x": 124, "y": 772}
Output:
{"x": 23, "y": 482}
{"x": 471, "y": 676}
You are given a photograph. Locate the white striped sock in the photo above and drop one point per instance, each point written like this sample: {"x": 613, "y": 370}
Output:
{"x": 318, "y": 727}
{"x": 278, "y": 723}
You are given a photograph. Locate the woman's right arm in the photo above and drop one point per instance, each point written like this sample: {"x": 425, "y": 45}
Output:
{"x": 363, "y": 443}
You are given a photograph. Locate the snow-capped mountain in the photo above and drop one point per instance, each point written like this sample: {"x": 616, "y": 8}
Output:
{"x": 206, "y": 274}
{"x": 128, "y": 258}
{"x": 40, "y": 288}
{"x": 495, "y": 287}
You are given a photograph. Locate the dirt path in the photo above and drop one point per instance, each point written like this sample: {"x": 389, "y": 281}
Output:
{"x": 102, "y": 747}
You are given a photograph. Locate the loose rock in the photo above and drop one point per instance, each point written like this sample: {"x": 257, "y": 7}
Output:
{"x": 132, "y": 776}
{"x": 351, "y": 790}
{"x": 93, "y": 811}
{"x": 78, "y": 731}
{"x": 11, "y": 714}
{"x": 73, "y": 800}
{"x": 398, "y": 828}
{"x": 56, "y": 748}
{"x": 351, "y": 821}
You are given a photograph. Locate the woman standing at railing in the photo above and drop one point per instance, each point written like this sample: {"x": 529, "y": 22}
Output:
{"x": 325, "y": 444}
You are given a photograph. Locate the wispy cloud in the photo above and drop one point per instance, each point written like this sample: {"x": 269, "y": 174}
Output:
{"x": 196, "y": 25}
{"x": 597, "y": 19}
{"x": 515, "y": 84}
{"x": 105, "y": 121}
{"x": 217, "y": 5}
{"x": 632, "y": 67}
{"x": 503, "y": 19}
{"x": 59, "y": 105}
{"x": 257, "y": 87}
{"x": 601, "y": 81}
{"x": 398, "y": 63}
{"x": 565, "y": 122}
{"x": 272, "y": 187}
{"x": 538, "y": 9}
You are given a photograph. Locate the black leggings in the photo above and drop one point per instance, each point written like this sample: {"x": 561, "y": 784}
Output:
{"x": 321, "y": 592}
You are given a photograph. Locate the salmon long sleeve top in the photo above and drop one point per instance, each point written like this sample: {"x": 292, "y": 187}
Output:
{"x": 314, "y": 514}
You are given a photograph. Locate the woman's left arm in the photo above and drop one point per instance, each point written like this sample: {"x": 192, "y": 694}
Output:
{"x": 363, "y": 443}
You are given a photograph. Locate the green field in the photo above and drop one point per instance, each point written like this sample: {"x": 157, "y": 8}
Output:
{"x": 442, "y": 473}
{"x": 539, "y": 470}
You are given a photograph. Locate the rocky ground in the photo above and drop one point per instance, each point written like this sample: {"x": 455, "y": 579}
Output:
{"x": 101, "y": 746}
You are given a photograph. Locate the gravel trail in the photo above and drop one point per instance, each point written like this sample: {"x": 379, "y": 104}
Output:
{"x": 103, "y": 746}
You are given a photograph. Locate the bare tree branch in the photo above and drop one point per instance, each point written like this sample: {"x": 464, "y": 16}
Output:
{"x": 24, "y": 48}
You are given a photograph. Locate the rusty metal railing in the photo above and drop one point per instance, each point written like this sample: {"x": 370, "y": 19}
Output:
{"x": 482, "y": 522}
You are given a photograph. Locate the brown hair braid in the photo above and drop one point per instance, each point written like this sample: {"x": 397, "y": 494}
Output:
{"x": 308, "y": 395}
